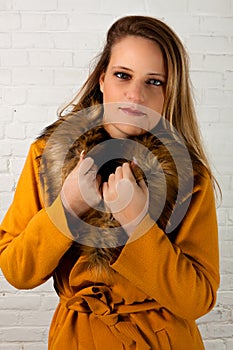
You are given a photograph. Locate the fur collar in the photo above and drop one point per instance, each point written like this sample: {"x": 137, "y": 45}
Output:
{"x": 157, "y": 154}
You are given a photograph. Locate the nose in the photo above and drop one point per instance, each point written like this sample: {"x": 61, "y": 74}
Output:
{"x": 134, "y": 92}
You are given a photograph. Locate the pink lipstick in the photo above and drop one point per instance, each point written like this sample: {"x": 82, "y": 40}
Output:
{"x": 132, "y": 111}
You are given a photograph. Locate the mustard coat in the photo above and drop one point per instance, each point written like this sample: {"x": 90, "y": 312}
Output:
{"x": 155, "y": 291}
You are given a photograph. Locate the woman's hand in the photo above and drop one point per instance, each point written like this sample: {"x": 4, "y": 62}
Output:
{"x": 127, "y": 200}
{"x": 80, "y": 189}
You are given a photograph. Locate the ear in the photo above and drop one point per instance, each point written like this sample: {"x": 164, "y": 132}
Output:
{"x": 101, "y": 82}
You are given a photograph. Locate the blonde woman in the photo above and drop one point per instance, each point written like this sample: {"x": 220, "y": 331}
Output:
{"x": 146, "y": 290}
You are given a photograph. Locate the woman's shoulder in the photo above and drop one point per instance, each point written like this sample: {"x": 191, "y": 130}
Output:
{"x": 37, "y": 147}
{"x": 204, "y": 181}
{"x": 39, "y": 144}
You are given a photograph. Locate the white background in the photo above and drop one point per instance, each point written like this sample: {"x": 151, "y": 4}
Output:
{"x": 45, "y": 50}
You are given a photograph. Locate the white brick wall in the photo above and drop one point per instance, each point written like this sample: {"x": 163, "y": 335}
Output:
{"x": 45, "y": 49}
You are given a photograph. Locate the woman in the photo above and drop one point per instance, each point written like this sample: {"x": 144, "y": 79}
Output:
{"x": 162, "y": 278}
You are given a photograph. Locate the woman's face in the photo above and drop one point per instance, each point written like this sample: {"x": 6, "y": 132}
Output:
{"x": 133, "y": 87}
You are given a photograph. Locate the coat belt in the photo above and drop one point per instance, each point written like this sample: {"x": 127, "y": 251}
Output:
{"x": 98, "y": 303}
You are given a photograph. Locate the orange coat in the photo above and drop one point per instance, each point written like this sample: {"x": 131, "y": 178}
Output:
{"x": 154, "y": 293}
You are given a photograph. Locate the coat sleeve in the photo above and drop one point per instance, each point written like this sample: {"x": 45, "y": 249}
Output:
{"x": 31, "y": 245}
{"x": 182, "y": 275}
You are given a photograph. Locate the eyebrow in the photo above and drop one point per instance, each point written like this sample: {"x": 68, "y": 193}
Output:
{"x": 130, "y": 70}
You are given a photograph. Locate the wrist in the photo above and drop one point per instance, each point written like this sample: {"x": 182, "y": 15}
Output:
{"x": 67, "y": 206}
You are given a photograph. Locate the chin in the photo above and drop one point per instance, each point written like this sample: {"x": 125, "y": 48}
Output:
{"x": 124, "y": 131}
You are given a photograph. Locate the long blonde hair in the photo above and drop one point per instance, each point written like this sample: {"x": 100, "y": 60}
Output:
{"x": 178, "y": 107}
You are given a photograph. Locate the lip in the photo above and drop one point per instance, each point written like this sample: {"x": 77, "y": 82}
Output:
{"x": 133, "y": 112}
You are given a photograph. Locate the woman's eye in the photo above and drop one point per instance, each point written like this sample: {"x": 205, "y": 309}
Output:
{"x": 122, "y": 75}
{"x": 155, "y": 82}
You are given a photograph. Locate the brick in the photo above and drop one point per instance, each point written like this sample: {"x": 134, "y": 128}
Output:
{"x": 211, "y": 44}
{"x": 3, "y": 165}
{"x": 14, "y": 96}
{"x": 36, "y": 346}
{"x": 182, "y": 24}
{"x": 32, "y": 76}
{"x": 225, "y": 298}
{"x": 218, "y": 314}
{"x": 83, "y": 6}
{"x": 84, "y": 58}
{"x": 48, "y": 96}
{"x": 203, "y": 328}
{"x": 27, "y": 5}
{"x": 208, "y": 114}
{"x": 2, "y": 132}
{"x": 20, "y": 148}
{"x": 138, "y": 6}
{"x": 221, "y": 213}
{"x": 209, "y": 7}
{"x": 202, "y": 79}
{"x": 5, "y": 5}
{"x": 76, "y": 41}
{"x": 6, "y": 183}
{"x": 2, "y": 214}
{"x": 9, "y": 318}
{"x": 9, "y": 21}
{"x": 53, "y": 112}
{"x": 225, "y": 182}
{"x": 46, "y": 287}
{"x": 35, "y": 318}
{"x": 229, "y": 344}
{"x": 221, "y": 331}
{"x": 19, "y": 334}
{"x": 224, "y": 162}
{"x": 227, "y": 198}
{"x": 216, "y": 25}
{"x": 226, "y": 249}
{"x": 196, "y": 61}
{"x": 57, "y": 22}
{"x": 226, "y": 232}
{"x": 14, "y": 58}
{"x": 5, "y": 77}
{"x": 32, "y": 40}
{"x": 35, "y": 129}
{"x": 15, "y": 131}
{"x": 226, "y": 266}
{"x": 19, "y": 302}
{"x": 214, "y": 345}
{"x": 30, "y": 114}
{"x": 90, "y": 22}
{"x": 227, "y": 282}
{"x": 16, "y": 165}
{"x": 8, "y": 346}
{"x": 228, "y": 84}
{"x": 33, "y": 21}
{"x": 70, "y": 76}
{"x": 5, "y": 40}
{"x": 218, "y": 138}
{"x": 5, "y": 148}
{"x": 217, "y": 97}
{"x": 230, "y": 216}
{"x": 6, "y": 114}
{"x": 219, "y": 62}
{"x": 50, "y": 59}
{"x": 226, "y": 115}
{"x": 5, "y": 201}
{"x": 49, "y": 302}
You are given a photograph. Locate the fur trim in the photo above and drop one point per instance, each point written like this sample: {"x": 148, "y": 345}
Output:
{"x": 168, "y": 190}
